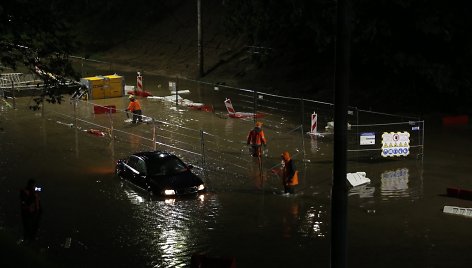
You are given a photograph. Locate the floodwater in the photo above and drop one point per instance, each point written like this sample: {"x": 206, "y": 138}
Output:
{"x": 394, "y": 221}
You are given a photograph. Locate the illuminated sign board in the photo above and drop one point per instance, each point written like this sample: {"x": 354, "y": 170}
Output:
{"x": 395, "y": 144}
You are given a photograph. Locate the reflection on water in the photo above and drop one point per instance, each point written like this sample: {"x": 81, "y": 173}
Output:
{"x": 229, "y": 127}
{"x": 314, "y": 222}
{"x": 394, "y": 183}
{"x": 364, "y": 191}
{"x": 169, "y": 229}
{"x": 133, "y": 197}
{"x": 314, "y": 144}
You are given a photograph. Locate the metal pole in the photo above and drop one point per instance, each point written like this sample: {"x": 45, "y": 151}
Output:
{"x": 422, "y": 143}
{"x": 42, "y": 106}
{"x": 202, "y": 141}
{"x": 255, "y": 105}
{"x": 303, "y": 141}
{"x": 200, "y": 46}
{"x": 111, "y": 124}
{"x": 341, "y": 99}
{"x": 303, "y": 110}
{"x": 154, "y": 146}
{"x": 261, "y": 175}
{"x": 176, "y": 97}
{"x": 75, "y": 113}
{"x": 13, "y": 93}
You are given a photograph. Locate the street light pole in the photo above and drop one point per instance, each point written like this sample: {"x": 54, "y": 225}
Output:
{"x": 200, "y": 46}
{"x": 341, "y": 100}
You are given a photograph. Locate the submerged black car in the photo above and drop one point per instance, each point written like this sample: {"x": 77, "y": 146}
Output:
{"x": 160, "y": 173}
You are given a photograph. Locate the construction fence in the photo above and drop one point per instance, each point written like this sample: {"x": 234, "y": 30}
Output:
{"x": 216, "y": 144}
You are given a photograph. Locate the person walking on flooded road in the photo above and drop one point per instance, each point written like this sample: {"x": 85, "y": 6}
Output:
{"x": 135, "y": 108}
{"x": 256, "y": 139}
{"x": 289, "y": 174}
{"x": 31, "y": 210}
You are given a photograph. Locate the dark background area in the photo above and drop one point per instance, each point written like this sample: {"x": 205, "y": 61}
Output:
{"x": 406, "y": 56}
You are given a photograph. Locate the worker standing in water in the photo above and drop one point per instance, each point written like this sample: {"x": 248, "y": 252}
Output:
{"x": 135, "y": 108}
{"x": 256, "y": 139}
{"x": 289, "y": 173}
{"x": 31, "y": 210}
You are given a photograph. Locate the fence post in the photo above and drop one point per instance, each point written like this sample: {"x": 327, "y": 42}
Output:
{"x": 176, "y": 97}
{"x": 42, "y": 106}
{"x": 303, "y": 142}
{"x": 302, "y": 107}
{"x": 202, "y": 140}
{"x": 255, "y": 104}
{"x": 13, "y": 93}
{"x": 75, "y": 113}
{"x": 111, "y": 125}
{"x": 422, "y": 142}
{"x": 154, "y": 146}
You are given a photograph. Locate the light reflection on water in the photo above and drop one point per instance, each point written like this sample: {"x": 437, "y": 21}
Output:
{"x": 390, "y": 185}
{"x": 314, "y": 223}
{"x": 169, "y": 229}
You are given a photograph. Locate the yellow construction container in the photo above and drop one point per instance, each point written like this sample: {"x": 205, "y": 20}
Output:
{"x": 114, "y": 86}
{"x": 101, "y": 87}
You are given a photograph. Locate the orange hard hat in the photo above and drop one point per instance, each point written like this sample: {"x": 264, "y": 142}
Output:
{"x": 258, "y": 124}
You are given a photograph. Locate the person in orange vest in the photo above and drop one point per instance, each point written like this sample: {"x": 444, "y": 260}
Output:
{"x": 135, "y": 107}
{"x": 31, "y": 210}
{"x": 289, "y": 173}
{"x": 256, "y": 139}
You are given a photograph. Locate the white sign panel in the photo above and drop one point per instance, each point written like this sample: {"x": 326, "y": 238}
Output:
{"x": 172, "y": 86}
{"x": 367, "y": 138}
{"x": 395, "y": 144}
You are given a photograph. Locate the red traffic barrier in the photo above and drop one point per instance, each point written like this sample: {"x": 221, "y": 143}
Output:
{"x": 456, "y": 120}
{"x": 96, "y": 132}
{"x": 204, "y": 108}
{"x": 140, "y": 93}
{"x": 459, "y": 193}
{"x": 104, "y": 109}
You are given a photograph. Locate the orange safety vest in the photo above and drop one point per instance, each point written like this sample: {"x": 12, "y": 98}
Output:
{"x": 256, "y": 137}
{"x": 289, "y": 169}
{"x": 294, "y": 180}
{"x": 134, "y": 106}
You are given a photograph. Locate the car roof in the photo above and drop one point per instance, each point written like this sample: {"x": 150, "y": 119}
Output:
{"x": 153, "y": 155}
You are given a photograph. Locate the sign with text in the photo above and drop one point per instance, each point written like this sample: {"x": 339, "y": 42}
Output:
{"x": 367, "y": 138}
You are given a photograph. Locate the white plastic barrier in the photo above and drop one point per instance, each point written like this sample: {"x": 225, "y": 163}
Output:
{"x": 458, "y": 211}
{"x": 358, "y": 178}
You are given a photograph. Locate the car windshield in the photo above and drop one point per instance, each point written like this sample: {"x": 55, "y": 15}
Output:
{"x": 165, "y": 166}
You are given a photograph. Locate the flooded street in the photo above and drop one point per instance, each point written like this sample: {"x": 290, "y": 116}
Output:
{"x": 395, "y": 221}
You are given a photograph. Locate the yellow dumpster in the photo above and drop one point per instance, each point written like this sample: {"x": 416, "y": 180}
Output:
{"x": 101, "y": 87}
{"x": 114, "y": 86}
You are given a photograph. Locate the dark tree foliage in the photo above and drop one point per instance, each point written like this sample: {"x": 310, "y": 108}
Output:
{"x": 35, "y": 35}
{"x": 414, "y": 53}
{"x": 408, "y": 53}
